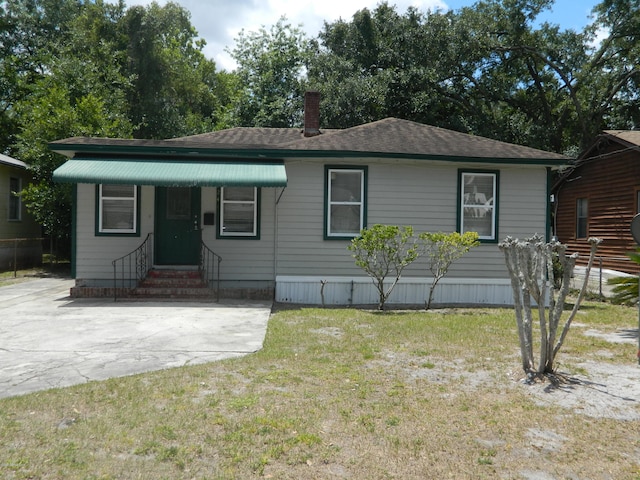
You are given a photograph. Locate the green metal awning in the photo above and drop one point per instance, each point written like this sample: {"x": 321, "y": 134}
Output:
{"x": 172, "y": 172}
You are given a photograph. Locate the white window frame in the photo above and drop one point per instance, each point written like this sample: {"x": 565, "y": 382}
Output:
{"x": 14, "y": 196}
{"x": 254, "y": 202}
{"x": 134, "y": 206}
{"x": 485, "y": 208}
{"x": 331, "y": 202}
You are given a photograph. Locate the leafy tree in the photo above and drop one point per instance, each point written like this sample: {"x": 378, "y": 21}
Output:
{"x": 78, "y": 92}
{"x": 530, "y": 265}
{"x": 28, "y": 31}
{"x": 174, "y": 91}
{"x": 96, "y": 69}
{"x": 442, "y": 249}
{"x": 271, "y": 74}
{"x": 54, "y": 115}
{"x": 489, "y": 69}
{"x": 384, "y": 250}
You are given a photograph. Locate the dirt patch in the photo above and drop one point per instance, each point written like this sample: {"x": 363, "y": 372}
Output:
{"x": 606, "y": 391}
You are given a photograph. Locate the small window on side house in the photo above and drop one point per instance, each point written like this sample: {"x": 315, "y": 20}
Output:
{"x": 15, "y": 202}
{"x": 117, "y": 209}
{"x": 345, "y": 197}
{"x": 239, "y": 212}
{"x": 478, "y": 204}
{"x": 582, "y": 217}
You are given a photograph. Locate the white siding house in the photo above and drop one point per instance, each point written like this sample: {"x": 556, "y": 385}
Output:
{"x": 280, "y": 207}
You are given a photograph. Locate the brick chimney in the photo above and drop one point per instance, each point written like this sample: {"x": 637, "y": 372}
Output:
{"x": 311, "y": 113}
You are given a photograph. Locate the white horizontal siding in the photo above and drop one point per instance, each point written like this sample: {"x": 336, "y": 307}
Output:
{"x": 409, "y": 291}
{"x": 244, "y": 259}
{"x": 420, "y": 194}
{"x": 94, "y": 254}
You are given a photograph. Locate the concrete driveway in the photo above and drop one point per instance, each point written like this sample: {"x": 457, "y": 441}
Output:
{"x": 48, "y": 340}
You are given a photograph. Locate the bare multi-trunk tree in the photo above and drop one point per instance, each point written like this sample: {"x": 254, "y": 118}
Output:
{"x": 538, "y": 285}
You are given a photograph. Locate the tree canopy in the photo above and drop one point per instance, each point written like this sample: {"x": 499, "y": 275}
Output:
{"x": 490, "y": 69}
{"x": 72, "y": 68}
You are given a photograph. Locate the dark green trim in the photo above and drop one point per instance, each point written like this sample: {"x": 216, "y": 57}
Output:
{"x": 258, "y": 217}
{"x": 98, "y": 233}
{"x": 365, "y": 198}
{"x": 268, "y": 154}
{"x": 496, "y": 203}
{"x": 74, "y": 229}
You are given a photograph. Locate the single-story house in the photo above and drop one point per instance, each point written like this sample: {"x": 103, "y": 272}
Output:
{"x": 598, "y": 195}
{"x": 280, "y": 206}
{"x": 20, "y": 242}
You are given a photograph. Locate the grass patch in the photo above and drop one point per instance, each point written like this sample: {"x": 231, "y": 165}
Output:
{"x": 336, "y": 393}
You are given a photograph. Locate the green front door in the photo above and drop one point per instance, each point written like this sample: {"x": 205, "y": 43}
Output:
{"x": 177, "y": 236}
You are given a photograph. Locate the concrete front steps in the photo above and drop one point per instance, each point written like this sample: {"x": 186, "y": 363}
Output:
{"x": 174, "y": 284}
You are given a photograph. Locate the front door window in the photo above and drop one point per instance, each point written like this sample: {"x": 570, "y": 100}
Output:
{"x": 179, "y": 203}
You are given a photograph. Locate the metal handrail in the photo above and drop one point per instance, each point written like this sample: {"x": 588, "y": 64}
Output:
{"x": 140, "y": 260}
{"x": 210, "y": 267}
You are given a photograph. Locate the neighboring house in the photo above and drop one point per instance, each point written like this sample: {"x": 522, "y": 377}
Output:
{"x": 20, "y": 242}
{"x": 598, "y": 196}
{"x": 280, "y": 205}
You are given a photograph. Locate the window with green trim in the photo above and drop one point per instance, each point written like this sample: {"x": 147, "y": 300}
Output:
{"x": 345, "y": 197}
{"x": 478, "y": 203}
{"x": 117, "y": 209}
{"x": 239, "y": 209}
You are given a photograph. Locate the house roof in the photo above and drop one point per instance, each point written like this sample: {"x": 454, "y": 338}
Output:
{"x": 6, "y": 160}
{"x": 631, "y": 137}
{"x": 627, "y": 139}
{"x": 390, "y": 137}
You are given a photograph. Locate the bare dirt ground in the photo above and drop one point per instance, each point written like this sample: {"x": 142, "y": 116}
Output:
{"x": 605, "y": 391}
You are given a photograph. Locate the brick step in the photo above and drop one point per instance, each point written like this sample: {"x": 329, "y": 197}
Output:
{"x": 173, "y": 274}
{"x": 177, "y": 292}
{"x": 172, "y": 282}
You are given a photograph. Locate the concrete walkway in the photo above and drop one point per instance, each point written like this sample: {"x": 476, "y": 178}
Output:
{"x": 48, "y": 340}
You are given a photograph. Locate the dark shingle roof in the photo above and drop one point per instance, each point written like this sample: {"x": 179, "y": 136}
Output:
{"x": 393, "y": 135}
{"x": 387, "y": 137}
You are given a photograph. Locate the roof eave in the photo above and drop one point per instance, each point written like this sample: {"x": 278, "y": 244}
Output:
{"x": 270, "y": 153}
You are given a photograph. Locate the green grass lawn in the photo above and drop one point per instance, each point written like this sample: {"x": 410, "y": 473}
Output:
{"x": 337, "y": 393}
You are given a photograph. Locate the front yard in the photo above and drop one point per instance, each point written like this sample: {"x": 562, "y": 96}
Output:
{"x": 346, "y": 393}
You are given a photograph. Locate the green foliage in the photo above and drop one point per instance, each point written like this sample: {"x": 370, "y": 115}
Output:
{"x": 491, "y": 69}
{"x": 271, "y": 74}
{"x": 442, "y": 249}
{"x": 73, "y": 68}
{"x": 625, "y": 290}
{"x": 175, "y": 88}
{"x": 383, "y": 251}
{"x": 56, "y": 114}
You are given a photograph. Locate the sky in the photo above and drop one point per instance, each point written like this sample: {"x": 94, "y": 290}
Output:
{"x": 220, "y": 21}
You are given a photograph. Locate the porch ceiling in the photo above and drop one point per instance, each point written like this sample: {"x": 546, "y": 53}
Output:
{"x": 172, "y": 172}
